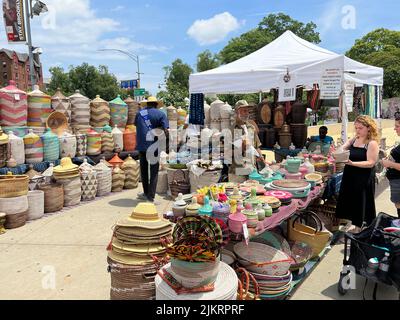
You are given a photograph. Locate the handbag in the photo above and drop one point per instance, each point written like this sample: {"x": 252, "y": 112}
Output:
{"x": 244, "y": 286}
{"x": 316, "y": 237}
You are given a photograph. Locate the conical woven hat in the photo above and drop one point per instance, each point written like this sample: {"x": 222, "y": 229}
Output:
{"x": 145, "y": 215}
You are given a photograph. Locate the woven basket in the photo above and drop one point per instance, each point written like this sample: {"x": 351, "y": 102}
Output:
{"x": 262, "y": 259}
{"x": 53, "y": 197}
{"x": 15, "y": 205}
{"x": 16, "y": 220}
{"x": 72, "y": 191}
{"x": 36, "y": 204}
{"x": 13, "y": 186}
{"x": 326, "y": 211}
{"x": 118, "y": 180}
{"x": 162, "y": 184}
{"x": 179, "y": 184}
{"x": 130, "y": 282}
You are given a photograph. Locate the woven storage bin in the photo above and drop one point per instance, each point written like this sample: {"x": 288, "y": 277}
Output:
{"x": 20, "y": 132}
{"x": 81, "y": 145}
{"x": 93, "y": 143}
{"x": 33, "y": 148}
{"x": 13, "y": 106}
{"x": 132, "y": 172}
{"x": 99, "y": 112}
{"x": 104, "y": 179}
{"x": 39, "y": 108}
{"x": 15, "y": 221}
{"x": 4, "y": 153}
{"x": 53, "y": 197}
{"x": 17, "y": 148}
{"x": 162, "y": 183}
{"x": 61, "y": 104}
{"x": 14, "y": 205}
{"x": 205, "y": 179}
{"x": 118, "y": 179}
{"x": 129, "y": 137}
{"x": 36, "y": 204}
{"x": 39, "y": 131}
{"x": 179, "y": 184}
{"x": 215, "y": 110}
{"x": 51, "y": 146}
{"x": 89, "y": 185}
{"x": 80, "y": 111}
{"x": 133, "y": 108}
{"x": 326, "y": 211}
{"x": 13, "y": 186}
{"x": 119, "y": 112}
{"x": 68, "y": 145}
{"x": 72, "y": 191}
{"x": 107, "y": 142}
{"x": 118, "y": 137}
{"x": 130, "y": 282}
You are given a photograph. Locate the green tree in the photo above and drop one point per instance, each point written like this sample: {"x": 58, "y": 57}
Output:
{"x": 177, "y": 82}
{"x": 59, "y": 79}
{"x": 378, "y": 40}
{"x": 91, "y": 81}
{"x": 207, "y": 61}
{"x": 270, "y": 28}
{"x": 381, "y": 48}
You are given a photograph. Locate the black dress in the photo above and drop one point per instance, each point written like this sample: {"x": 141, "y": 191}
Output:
{"x": 356, "y": 200}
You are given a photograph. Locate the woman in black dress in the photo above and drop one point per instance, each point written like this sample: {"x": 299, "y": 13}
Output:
{"x": 356, "y": 200}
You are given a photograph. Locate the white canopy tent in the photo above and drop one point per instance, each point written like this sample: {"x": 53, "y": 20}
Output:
{"x": 265, "y": 68}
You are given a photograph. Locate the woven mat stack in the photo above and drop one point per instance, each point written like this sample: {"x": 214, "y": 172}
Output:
{"x": 136, "y": 252}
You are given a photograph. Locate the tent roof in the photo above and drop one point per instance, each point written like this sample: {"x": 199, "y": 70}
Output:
{"x": 264, "y": 69}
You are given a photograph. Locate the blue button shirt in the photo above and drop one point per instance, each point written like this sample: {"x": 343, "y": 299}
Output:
{"x": 327, "y": 140}
{"x": 157, "y": 118}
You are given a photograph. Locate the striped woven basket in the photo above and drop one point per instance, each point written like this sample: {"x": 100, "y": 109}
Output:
{"x": 118, "y": 179}
{"x": 13, "y": 186}
{"x": 72, "y": 191}
{"x": 13, "y": 106}
{"x": 53, "y": 197}
{"x": 15, "y": 221}
{"x": 99, "y": 112}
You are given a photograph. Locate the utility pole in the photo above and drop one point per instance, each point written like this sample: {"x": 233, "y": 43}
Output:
{"x": 32, "y": 74}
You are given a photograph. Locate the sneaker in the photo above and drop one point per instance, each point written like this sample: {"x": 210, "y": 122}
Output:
{"x": 142, "y": 196}
{"x": 155, "y": 202}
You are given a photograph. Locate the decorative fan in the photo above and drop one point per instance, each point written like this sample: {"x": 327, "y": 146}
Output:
{"x": 198, "y": 226}
{"x": 57, "y": 122}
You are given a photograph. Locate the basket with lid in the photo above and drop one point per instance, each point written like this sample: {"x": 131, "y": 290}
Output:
{"x": 99, "y": 112}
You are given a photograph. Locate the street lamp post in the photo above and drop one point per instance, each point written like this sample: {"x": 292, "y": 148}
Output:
{"x": 133, "y": 56}
{"x": 30, "y": 11}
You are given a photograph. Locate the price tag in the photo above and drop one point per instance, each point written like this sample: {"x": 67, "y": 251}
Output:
{"x": 17, "y": 97}
{"x": 246, "y": 233}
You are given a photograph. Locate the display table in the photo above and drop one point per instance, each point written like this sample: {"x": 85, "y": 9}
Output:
{"x": 286, "y": 212}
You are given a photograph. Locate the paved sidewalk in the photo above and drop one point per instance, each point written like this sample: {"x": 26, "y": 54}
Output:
{"x": 71, "y": 245}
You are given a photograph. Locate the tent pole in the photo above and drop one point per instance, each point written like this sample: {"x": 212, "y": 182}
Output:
{"x": 260, "y": 97}
{"x": 345, "y": 117}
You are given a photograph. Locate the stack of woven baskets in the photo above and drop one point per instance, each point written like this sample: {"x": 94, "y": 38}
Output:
{"x": 14, "y": 200}
{"x": 137, "y": 251}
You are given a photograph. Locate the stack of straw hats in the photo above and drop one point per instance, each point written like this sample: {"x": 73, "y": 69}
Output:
{"x": 136, "y": 253}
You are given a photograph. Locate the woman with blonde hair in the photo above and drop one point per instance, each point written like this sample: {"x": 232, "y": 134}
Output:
{"x": 356, "y": 200}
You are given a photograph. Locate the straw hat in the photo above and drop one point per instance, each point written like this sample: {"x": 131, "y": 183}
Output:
{"x": 66, "y": 166}
{"x": 241, "y": 104}
{"x": 145, "y": 215}
{"x": 139, "y": 249}
{"x": 129, "y": 259}
{"x": 149, "y": 99}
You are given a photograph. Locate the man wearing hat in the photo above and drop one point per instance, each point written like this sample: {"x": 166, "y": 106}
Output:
{"x": 248, "y": 140}
{"x": 150, "y": 123}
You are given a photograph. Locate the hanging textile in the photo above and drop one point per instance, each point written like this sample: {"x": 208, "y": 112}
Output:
{"x": 357, "y": 104}
{"x": 196, "y": 109}
{"x": 313, "y": 98}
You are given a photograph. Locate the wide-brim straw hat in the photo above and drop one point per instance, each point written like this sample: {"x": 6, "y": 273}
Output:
{"x": 57, "y": 122}
{"x": 150, "y": 99}
{"x": 139, "y": 249}
{"x": 129, "y": 259}
{"x": 145, "y": 216}
{"x": 241, "y": 104}
{"x": 141, "y": 233}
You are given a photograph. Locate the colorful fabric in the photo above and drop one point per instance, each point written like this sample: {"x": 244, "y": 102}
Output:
{"x": 196, "y": 109}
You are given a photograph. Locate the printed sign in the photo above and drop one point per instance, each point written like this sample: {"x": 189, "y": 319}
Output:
{"x": 13, "y": 13}
{"x": 331, "y": 84}
{"x": 287, "y": 94}
{"x": 349, "y": 95}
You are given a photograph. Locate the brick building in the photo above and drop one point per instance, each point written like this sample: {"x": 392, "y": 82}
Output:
{"x": 15, "y": 66}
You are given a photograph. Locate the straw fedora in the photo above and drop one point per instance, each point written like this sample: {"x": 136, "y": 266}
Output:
{"x": 149, "y": 99}
{"x": 241, "y": 104}
{"x": 145, "y": 215}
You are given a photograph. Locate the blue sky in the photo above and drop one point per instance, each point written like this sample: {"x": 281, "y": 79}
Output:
{"x": 160, "y": 31}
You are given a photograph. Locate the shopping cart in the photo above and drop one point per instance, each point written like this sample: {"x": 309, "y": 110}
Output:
{"x": 372, "y": 242}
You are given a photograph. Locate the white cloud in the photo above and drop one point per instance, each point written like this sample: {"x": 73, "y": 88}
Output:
{"x": 215, "y": 29}
{"x": 118, "y": 8}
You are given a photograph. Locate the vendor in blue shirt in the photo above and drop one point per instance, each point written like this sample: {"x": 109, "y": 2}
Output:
{"x": 322, "y": 137}
{"x": 149, "y": 119}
